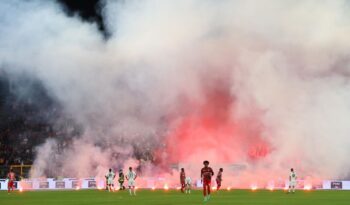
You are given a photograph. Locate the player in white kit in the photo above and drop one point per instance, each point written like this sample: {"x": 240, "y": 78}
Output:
{"x": 188, "y": 182}
{"x": 292, "y": 181}
{"x": 110, "y": 179}
{"x": 131, "y": 176}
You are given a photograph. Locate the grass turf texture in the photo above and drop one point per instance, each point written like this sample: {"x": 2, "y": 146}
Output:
{"x": 159, "y": 197}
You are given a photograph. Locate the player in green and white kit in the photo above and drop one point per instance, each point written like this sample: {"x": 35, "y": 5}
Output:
{"x": 110, "y": 179}
{"x": 292, "y": 181}
{"x": 188, "y": 182}
{"x": 131, "y": 176}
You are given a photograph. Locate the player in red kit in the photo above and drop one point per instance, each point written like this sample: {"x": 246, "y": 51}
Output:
{"x": 206, "y": 174}
{"x": 182, "y": 180}
{"x": 11, "y": 177}
{"x": 219, "y": 178}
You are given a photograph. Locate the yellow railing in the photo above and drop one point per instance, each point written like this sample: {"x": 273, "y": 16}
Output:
{"x": 20, "y": 168}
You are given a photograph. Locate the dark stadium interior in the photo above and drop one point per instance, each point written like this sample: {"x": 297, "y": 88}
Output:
{"x": 88, "y": 10}
{"x": 28, "y": 115}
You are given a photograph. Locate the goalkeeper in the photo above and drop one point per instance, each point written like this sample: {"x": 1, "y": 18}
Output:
{"x": 121, "y": 180}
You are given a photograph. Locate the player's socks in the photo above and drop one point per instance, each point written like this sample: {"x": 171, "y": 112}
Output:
{"x": 130, "y": 191}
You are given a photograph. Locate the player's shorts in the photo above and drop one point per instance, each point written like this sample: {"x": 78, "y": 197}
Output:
{"x": 10, "y": 184}
{"x": 206, "y": 182}
{"x": 218, "y": 182}
{"x": 110, "y": 181}
{"x": 131, "y": 183}
{"x": 292, "y": 183}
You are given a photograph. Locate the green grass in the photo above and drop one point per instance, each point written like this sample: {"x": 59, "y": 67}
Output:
{"x": 159, "y": 197}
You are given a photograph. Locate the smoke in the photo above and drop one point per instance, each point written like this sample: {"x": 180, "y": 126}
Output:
{"x": 264, "y": 85}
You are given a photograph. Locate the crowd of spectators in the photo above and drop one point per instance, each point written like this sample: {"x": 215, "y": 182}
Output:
{"x": 26, "y": 120}
{"x": 28, "y": 117}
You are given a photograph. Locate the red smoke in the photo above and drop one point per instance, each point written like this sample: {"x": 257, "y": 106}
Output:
{"x": 209, "y": 131}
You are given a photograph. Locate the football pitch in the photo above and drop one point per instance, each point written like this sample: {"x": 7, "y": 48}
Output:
{"x": 160, "y": 197}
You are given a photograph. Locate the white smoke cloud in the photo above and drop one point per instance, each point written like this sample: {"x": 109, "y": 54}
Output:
{"x": 285, "y": 64}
